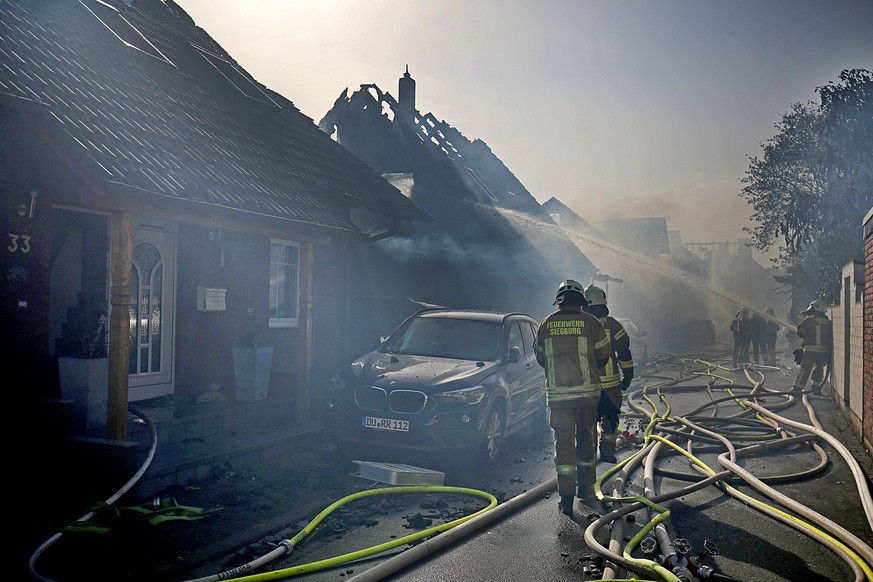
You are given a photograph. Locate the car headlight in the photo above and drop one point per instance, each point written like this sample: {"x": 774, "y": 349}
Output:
{"x": 471, "y": 395}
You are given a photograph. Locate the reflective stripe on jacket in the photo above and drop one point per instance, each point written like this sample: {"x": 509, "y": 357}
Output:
{"x": 620, "y": 357}
{"x": 609, "y": 376}
{"x": 568, "y": 345}
{"x": 817, "y": 334}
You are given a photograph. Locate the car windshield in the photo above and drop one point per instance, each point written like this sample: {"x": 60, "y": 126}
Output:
{"x": 460, "y": 339}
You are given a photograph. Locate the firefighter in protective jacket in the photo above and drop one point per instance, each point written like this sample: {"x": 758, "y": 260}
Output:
{"x": 615, "y": 376}
{"x": 571, "y": 345}
{"x": 816, "y": 333}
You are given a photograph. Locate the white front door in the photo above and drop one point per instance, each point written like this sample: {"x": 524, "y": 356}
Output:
{"x": 152, "y": 294}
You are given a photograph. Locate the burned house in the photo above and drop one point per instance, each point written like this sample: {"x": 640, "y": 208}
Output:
{"x": 575, "y": 225}
{"x": 163, "y": 208}
{"x": 665, "y": 283}
{"x": 489, "y": 244}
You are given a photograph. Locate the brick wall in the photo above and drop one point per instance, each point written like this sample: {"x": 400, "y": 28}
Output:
{"x": 867, "y": 418}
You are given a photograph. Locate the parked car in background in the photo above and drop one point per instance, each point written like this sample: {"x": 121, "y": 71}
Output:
{"x": 639, "y": 344}
{"x": 445, "y": 380}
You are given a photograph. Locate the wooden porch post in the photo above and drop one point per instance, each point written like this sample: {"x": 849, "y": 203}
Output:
{"x": 119, "y": 326}
{"x": 304, "y": 351}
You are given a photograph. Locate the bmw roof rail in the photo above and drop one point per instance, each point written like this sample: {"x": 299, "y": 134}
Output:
{"x": 429, "y": 305}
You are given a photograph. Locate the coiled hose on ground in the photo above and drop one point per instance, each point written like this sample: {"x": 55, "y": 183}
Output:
{"x": 753, "y": 430}
{"x": 243, "y": 573}
{"x": 286, "y": 546}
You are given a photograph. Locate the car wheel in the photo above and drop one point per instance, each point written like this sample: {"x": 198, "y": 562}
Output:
{"x": 492, "y": 438}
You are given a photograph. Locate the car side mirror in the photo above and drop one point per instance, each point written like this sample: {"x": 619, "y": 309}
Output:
{"x": 514, "y": 354}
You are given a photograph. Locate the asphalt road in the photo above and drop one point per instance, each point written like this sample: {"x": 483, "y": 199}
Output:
{"x": 533, "y": 541}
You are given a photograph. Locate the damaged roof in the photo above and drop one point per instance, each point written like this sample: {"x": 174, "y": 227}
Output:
{"x": 150, "y": 105}
{"x": 567, "y": 218}
{"x": 473, "y": 198}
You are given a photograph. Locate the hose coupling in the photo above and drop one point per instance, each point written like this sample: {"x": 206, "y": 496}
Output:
{"x": 288, "y": 544}
{"x": 683, "y": 574}
{"x": 625, "y": 438}
{"x": 236, "y": 572}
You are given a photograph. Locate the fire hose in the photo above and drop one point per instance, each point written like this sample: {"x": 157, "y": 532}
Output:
{"x": 675, "y": 563}
{"x": 244, "y": 572}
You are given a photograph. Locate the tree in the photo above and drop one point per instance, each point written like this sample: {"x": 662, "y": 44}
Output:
{"x": 813, "y": 186}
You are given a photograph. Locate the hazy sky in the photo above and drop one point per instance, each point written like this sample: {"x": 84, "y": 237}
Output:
{"x": 619, "y": 108}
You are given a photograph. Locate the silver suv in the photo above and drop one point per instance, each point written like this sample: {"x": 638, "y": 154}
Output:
{"x": 444, "y": 380}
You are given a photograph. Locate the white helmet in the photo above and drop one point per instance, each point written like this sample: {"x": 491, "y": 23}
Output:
{"x": 569, "y": 286}
{"x": 816, "y": 305}
{"x": 595, "y": 295}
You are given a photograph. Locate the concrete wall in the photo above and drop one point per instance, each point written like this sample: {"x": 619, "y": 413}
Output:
{"x": 847, "y": 372}
{"x": 867, "y": 419}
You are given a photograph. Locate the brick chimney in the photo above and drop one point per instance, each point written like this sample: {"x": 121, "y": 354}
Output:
{"x": 406, "y": 96}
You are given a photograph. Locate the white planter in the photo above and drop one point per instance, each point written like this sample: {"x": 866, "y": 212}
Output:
{"x": 251, "y": 372}
{"x": 86, "y": 383}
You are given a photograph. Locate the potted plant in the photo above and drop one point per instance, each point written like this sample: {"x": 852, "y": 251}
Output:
{"x": 252, "y": 360}
{"x": 83, "y": 367}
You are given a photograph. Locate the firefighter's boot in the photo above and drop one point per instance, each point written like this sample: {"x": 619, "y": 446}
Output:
{"x": 607, "y": 445}
{"x": 566, "y": 504}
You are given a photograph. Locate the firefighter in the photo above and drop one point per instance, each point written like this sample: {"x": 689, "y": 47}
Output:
{"x": 615, "y": 376}
{"x": 757, "y": 333}
{"x": 571, "y": 345}
{"x": 742, "y": 337}
{"x": 816, "y": 335}
{"x": 771, "y": 331}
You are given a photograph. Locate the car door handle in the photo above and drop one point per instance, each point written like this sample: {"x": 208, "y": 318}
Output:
{"x": 529, "y": 366}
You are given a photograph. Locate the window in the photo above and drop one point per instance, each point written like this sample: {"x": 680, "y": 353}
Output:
{"x": 515, "y": 340}
{"x": 530, "y": 335}
{"x": 446, "y": 337}
{"x": 146, "y": 285}
{"x": 284, "y": 283}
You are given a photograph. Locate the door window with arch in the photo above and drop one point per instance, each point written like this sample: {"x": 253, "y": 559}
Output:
{"x": 146, "y": 286}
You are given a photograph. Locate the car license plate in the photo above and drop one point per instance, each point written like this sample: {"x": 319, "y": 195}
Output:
{"x": 385, "y": 423}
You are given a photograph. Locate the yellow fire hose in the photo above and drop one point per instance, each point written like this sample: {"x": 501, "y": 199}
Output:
{"x": 243, "y": 573}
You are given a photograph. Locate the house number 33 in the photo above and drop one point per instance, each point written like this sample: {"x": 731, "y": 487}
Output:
{"x": 18, "y": 243}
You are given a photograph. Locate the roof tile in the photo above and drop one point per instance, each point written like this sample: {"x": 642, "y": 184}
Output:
{"x": 178, "y": 128}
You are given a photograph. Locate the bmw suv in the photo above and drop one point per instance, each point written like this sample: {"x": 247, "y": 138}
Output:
{"x": 444, "y": 381}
